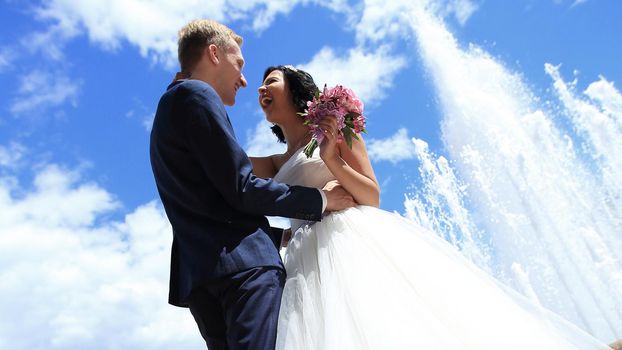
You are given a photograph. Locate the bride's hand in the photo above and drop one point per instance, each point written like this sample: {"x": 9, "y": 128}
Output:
{"x": 328, "y": 147}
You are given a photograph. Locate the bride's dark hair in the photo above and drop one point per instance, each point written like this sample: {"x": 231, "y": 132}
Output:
{"x": 301, "y": 87}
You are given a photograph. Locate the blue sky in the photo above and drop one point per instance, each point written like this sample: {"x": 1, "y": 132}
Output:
{"x": 100, "y": 92}
{"x": 80, "y": 81}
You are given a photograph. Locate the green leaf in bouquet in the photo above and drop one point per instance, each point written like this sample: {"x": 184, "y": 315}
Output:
{"x": 347, "y": 135}
{"x": 351, "y": 116}
{"x": 317, "y": 92}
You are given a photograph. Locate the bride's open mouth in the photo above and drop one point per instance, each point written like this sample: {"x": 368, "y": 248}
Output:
{"x": 265, "y": 102}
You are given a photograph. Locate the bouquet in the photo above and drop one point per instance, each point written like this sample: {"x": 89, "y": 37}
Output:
{"x": 338, "y": 101}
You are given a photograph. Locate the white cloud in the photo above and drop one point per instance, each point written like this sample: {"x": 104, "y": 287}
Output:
{"x": 141, "y": 112}
{"x": 382, "y": 20}
{"x": 50, "y": 42}
{"x": 11, "y": 155}
{"x": 73, "y": 278}
{"x": 40, "y": 90}
{"x": 369, "y": 74}
{"x": 148, "y": 122}
{"x": 578, "y": 2}
{"x": 574, "y": 3}
{"x": 266, "y": 11}
{"x": 262, "y": 142}
{"x": 394, "y": 149}
{"x": 6, "y": 59}
{"x": 263, "y": 12}
{"x": 152, "y": 25}
{"x": 461, "y": 9}
{"x": 55, "y": 202}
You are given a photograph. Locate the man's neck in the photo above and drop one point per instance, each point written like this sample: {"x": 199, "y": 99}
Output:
{"x": 203, "y": 72}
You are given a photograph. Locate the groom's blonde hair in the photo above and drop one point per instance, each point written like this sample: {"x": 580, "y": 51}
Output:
{"x": 195, "y": 36}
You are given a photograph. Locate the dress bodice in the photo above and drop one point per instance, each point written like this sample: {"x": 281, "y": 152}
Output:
{"x": 302, "y": 171}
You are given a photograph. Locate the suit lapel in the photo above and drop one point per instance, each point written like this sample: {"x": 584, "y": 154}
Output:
{"x": 230, "y": 125}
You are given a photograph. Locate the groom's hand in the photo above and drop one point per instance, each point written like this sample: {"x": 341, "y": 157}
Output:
{"x": 337, "y": 198}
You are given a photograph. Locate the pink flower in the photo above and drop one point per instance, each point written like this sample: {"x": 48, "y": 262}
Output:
{"x": 340, "y": 102}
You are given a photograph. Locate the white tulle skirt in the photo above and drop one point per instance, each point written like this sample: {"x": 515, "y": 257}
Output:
{"x": 364, "y": 278}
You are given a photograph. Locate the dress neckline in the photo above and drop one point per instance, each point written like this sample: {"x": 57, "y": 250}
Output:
{"x": 293, "y": 156}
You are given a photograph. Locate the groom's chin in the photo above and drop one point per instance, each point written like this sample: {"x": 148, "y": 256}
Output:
{"x": 231, "y": 99}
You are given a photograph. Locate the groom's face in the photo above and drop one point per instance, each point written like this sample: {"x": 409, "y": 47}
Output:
{"x": 231, "y": 77}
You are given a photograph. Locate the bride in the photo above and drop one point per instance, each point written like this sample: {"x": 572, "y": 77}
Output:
{"x": 365, "y": 278}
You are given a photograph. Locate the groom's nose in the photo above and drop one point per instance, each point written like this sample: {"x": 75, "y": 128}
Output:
{"x": 243, "y": 81}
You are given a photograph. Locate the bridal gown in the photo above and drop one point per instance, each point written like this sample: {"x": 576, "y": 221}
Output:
{"x": 365, "y": 278}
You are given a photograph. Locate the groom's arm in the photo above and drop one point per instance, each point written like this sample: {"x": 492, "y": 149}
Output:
{"x": 209, "y": 135}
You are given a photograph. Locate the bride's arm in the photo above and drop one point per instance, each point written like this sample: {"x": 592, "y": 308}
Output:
{"x": 263, "y": 167}
{"x": 351, "y": 167}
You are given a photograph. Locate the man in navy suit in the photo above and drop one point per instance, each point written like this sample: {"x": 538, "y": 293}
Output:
{"x": 225, "y": 264}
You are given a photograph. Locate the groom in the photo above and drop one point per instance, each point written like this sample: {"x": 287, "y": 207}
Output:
{"x": 225, "y": 264}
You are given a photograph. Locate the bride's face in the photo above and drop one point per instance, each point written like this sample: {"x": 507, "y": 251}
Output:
{"x": 275, "y": 99}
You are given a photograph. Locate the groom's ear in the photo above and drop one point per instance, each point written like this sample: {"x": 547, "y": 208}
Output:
{"x": 212, "y": 53}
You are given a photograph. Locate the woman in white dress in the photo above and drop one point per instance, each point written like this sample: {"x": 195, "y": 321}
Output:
{"x": 365, "y": 278}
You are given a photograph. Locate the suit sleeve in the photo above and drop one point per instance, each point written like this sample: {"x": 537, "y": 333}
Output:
{"x": 210, "y": 137}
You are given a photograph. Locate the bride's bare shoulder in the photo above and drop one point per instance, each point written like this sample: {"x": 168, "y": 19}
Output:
{"x": 264, "y": 167}
{"x": 267, "y": 167}
{"x": 278, "y": 160}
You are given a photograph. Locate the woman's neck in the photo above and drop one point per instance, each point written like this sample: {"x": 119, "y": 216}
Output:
{"x": 296, "y": 135}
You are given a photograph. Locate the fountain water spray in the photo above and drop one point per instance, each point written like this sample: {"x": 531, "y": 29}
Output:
{"x": 536, "y": 204}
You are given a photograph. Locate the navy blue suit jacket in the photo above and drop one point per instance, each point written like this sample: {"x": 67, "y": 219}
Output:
{"x": 215, "y": 204}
